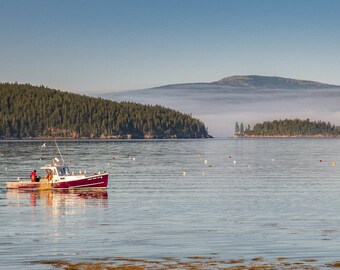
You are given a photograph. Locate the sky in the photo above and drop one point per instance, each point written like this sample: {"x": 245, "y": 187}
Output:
{"x": 91, "y": 46}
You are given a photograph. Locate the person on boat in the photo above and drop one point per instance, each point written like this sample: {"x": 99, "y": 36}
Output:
{"x": 49, "y": 175}
{"x": 33, "y": 176}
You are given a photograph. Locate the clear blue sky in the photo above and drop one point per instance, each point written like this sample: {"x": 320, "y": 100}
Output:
{"x": 102, "y": 46}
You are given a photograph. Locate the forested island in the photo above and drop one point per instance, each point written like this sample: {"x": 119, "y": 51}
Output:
{"x": 288, "y": 128}
{"x": 28, "y": 111}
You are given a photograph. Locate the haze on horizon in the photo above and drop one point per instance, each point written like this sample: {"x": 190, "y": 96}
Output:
{"x": 219, "y": 106}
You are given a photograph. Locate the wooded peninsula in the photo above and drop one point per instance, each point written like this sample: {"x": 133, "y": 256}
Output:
{"x": 39, "y": 112}
{"x": 288, "y": 128}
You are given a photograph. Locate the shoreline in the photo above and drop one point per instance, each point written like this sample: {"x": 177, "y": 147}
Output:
{"x": 194, "y": 262}
{"x": 94, "y": 139}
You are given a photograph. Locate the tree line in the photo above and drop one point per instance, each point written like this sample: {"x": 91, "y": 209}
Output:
{"x": 289, "y": 128}
{"x": 28, "y": 111}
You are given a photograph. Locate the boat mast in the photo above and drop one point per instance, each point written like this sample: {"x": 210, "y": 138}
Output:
{"x": 61, "y": 156}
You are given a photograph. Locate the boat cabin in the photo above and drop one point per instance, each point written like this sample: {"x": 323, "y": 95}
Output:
{"x": 56, "y": 172}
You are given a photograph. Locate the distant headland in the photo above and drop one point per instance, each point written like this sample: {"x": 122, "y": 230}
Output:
{"x": 38, "y": 112}
{"x": 288, "y": 128}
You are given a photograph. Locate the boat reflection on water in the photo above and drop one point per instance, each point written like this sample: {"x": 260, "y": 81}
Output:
{"x": 58, "y": 198}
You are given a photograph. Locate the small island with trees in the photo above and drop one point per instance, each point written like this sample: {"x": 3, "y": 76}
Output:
{"x": 288, "y": 128}
{"x": 38, "y": 112}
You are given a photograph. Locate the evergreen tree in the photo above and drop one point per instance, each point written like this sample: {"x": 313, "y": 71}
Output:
{"x": 241, "y": 129}
{"x": 248, "y": 130}
{"x": 237, "y": 128}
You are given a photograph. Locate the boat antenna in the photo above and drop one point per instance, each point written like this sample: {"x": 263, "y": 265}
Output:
{"x": 61, "y": 156}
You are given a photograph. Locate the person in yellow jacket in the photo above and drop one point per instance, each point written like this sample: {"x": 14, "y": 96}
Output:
{"x": 49, "y": 175}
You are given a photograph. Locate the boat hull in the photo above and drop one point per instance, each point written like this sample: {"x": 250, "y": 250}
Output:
{"x": 29, "y": 185}
{"x": 89, "y": 182}
{"x": 94, "y": 181}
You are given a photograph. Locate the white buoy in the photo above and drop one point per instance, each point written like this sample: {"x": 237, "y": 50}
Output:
{"x": 133, "y": 158}
{"x": 234, "y": 161}
{"x": 206, "y": 161}
{"x": 184, "y": 173}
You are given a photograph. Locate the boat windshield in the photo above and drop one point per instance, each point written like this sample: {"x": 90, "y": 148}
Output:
{"x": 63, "y": 171}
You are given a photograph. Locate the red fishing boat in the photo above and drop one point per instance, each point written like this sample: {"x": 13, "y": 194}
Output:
{"x": 58, "y": 176}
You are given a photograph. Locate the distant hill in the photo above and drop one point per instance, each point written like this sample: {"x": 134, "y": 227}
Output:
{"x": 28, "y": 111}
{"x": 256, "y": 81}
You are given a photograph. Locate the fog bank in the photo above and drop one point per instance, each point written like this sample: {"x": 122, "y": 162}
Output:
{"x": 219, "y": 107}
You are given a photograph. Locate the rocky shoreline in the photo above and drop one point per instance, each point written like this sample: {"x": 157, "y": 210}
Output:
{"x": 194, "y": 263}
{"x": 117, "y": 137}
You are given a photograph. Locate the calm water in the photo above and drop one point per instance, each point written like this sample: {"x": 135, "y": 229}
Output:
{"x": 232, "y": 198}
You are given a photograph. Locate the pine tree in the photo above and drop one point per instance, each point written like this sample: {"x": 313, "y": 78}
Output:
{"x": 241, "y": 129}
{"x": 237, "y": 128}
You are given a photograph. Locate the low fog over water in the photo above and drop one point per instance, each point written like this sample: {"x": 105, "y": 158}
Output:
{"x": 219, "y": 107}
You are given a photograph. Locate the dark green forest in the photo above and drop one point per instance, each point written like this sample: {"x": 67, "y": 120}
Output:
{"x": 289, "y": 128}
{"x": 28, "y": 111}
